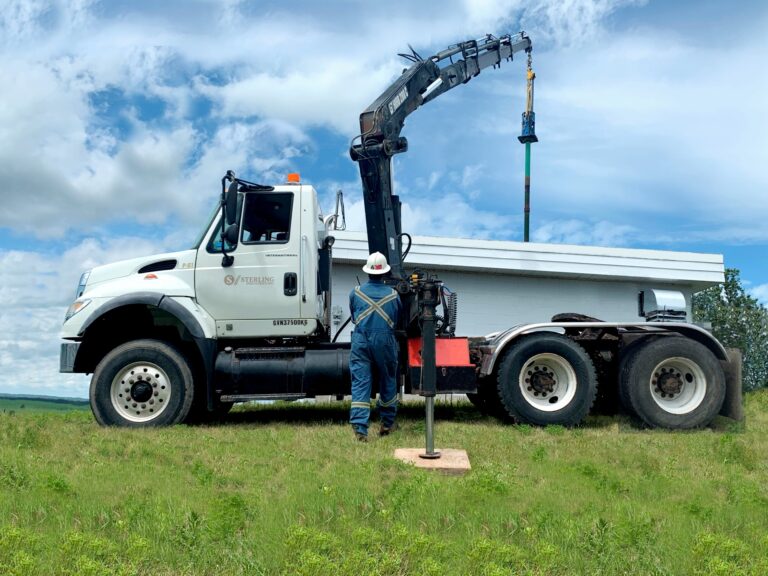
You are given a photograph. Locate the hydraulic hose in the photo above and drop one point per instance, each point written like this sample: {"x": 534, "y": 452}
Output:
{"x": 404, "y": 255}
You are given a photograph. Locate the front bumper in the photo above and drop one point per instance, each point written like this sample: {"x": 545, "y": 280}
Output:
{"x": 67, "y": 356}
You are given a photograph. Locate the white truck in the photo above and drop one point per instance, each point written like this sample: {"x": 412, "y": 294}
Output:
{"x": 244, "y": 314}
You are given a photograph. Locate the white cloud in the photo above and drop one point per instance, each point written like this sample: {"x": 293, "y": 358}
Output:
{"x": 303, "y": 64}
{"x": 761, "y": 293}
{"x": 65, "y": 169}
{"x": 639, "y": 129}
{"x": 29, "y": 360}
{"x": 18, "y": 19}
{"x": 36, "y": 289}
{"x": 450, "y": 216}
{"x": 303, "y": 97}
{"x": 571, "y": 23}
{"x": 593, "y": 233}
{"x": 81, "y": 177}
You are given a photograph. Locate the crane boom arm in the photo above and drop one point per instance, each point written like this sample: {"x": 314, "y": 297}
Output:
{"x": 382, "y": 122}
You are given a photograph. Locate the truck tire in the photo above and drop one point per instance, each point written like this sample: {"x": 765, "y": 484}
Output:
{"x": 673, "y": 382}
{"x": 626, "y": 353}
{"x": 142, "y": 383}
{"x": 545, "y": 379}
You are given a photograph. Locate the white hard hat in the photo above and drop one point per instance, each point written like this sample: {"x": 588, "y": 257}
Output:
{"x": 376, "y": 264}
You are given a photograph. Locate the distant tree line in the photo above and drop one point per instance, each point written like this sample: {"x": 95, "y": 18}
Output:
{"x": 738, "y": 321}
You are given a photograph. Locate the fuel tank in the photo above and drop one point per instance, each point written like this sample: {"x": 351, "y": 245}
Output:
{"x": 283, "y": 371}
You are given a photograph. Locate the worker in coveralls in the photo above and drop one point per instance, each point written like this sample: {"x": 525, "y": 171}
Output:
{"x": 375, "y": 309}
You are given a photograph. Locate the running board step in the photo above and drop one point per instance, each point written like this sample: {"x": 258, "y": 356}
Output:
{"x": 252, "y": 397}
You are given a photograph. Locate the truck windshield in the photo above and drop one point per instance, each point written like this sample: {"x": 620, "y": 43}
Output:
{"x": 208, "y": 221}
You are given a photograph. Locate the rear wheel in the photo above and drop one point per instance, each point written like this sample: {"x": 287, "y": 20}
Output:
{"x": 141, "y": 383}
{"x": 626, "y": 353}
{"x": 545, "y": 379}
{"x": 673, "y": 382}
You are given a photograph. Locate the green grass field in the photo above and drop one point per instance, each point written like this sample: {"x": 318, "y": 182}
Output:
{"x": 286, "y": 490}
{"x": 40, "y": 405}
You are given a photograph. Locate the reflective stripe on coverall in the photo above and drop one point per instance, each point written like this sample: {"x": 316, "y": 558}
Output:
{"x": 375, "y": 308}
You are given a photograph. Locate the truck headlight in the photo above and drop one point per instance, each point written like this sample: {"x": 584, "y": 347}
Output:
{"x": 75, "y": 307}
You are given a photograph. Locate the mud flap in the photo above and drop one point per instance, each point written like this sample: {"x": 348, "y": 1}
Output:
{"x": 733, "y": 406}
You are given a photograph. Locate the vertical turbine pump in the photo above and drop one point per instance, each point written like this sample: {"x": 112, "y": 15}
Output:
{"x": 527, "y": 137}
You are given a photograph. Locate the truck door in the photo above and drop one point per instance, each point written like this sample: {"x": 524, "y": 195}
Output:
{"x": 259, "y": 295}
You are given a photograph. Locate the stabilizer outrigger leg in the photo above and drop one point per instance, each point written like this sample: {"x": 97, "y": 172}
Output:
{"x": 427, "y": 293}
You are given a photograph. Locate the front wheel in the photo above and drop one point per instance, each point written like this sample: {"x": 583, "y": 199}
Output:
{"x": 673, "y": 382}
{"x": 142, "y": 383}
{"x": 545, "y": 379}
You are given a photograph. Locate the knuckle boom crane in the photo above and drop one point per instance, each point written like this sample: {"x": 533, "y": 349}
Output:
{"x": 382, "y": 122}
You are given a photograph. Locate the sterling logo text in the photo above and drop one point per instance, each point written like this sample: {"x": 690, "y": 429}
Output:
{"x": 231, "y": 280}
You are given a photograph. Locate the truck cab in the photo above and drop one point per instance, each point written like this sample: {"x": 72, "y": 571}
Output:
{"x": 198, "y": 315}
{"x": 275, "y": 286}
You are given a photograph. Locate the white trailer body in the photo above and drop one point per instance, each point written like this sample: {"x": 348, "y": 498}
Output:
{"x": 502, "y": 283}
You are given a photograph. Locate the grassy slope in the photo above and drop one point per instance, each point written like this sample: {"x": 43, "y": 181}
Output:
{"x": 36, "y": 404}
{"x": 289, "y": 491}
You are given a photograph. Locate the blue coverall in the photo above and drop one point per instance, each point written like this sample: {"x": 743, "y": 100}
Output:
{"x": 375, "y": 308}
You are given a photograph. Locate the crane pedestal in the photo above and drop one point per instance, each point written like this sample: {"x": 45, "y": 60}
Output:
{"x": 447, "y": 460}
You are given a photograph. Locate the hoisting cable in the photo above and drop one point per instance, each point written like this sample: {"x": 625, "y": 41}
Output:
{"x": 528, "y": 137}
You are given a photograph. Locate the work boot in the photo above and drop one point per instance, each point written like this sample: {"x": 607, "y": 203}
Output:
{"x": 360, "y": 435}
{"x": 387, "y": 430}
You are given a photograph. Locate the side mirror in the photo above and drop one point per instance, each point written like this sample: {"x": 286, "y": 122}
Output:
{"x": 231, "y": 233}
{"x": 230, "y": 203}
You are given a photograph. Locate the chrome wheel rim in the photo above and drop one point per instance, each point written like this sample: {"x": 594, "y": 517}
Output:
{"x": 140, "y": 392}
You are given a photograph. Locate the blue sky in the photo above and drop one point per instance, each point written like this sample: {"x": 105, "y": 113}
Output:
{"x": 118, "y": 119}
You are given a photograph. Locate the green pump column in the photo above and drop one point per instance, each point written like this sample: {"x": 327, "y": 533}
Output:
{"x": 527, "y": 137}
{"x": 527, "y": 207}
